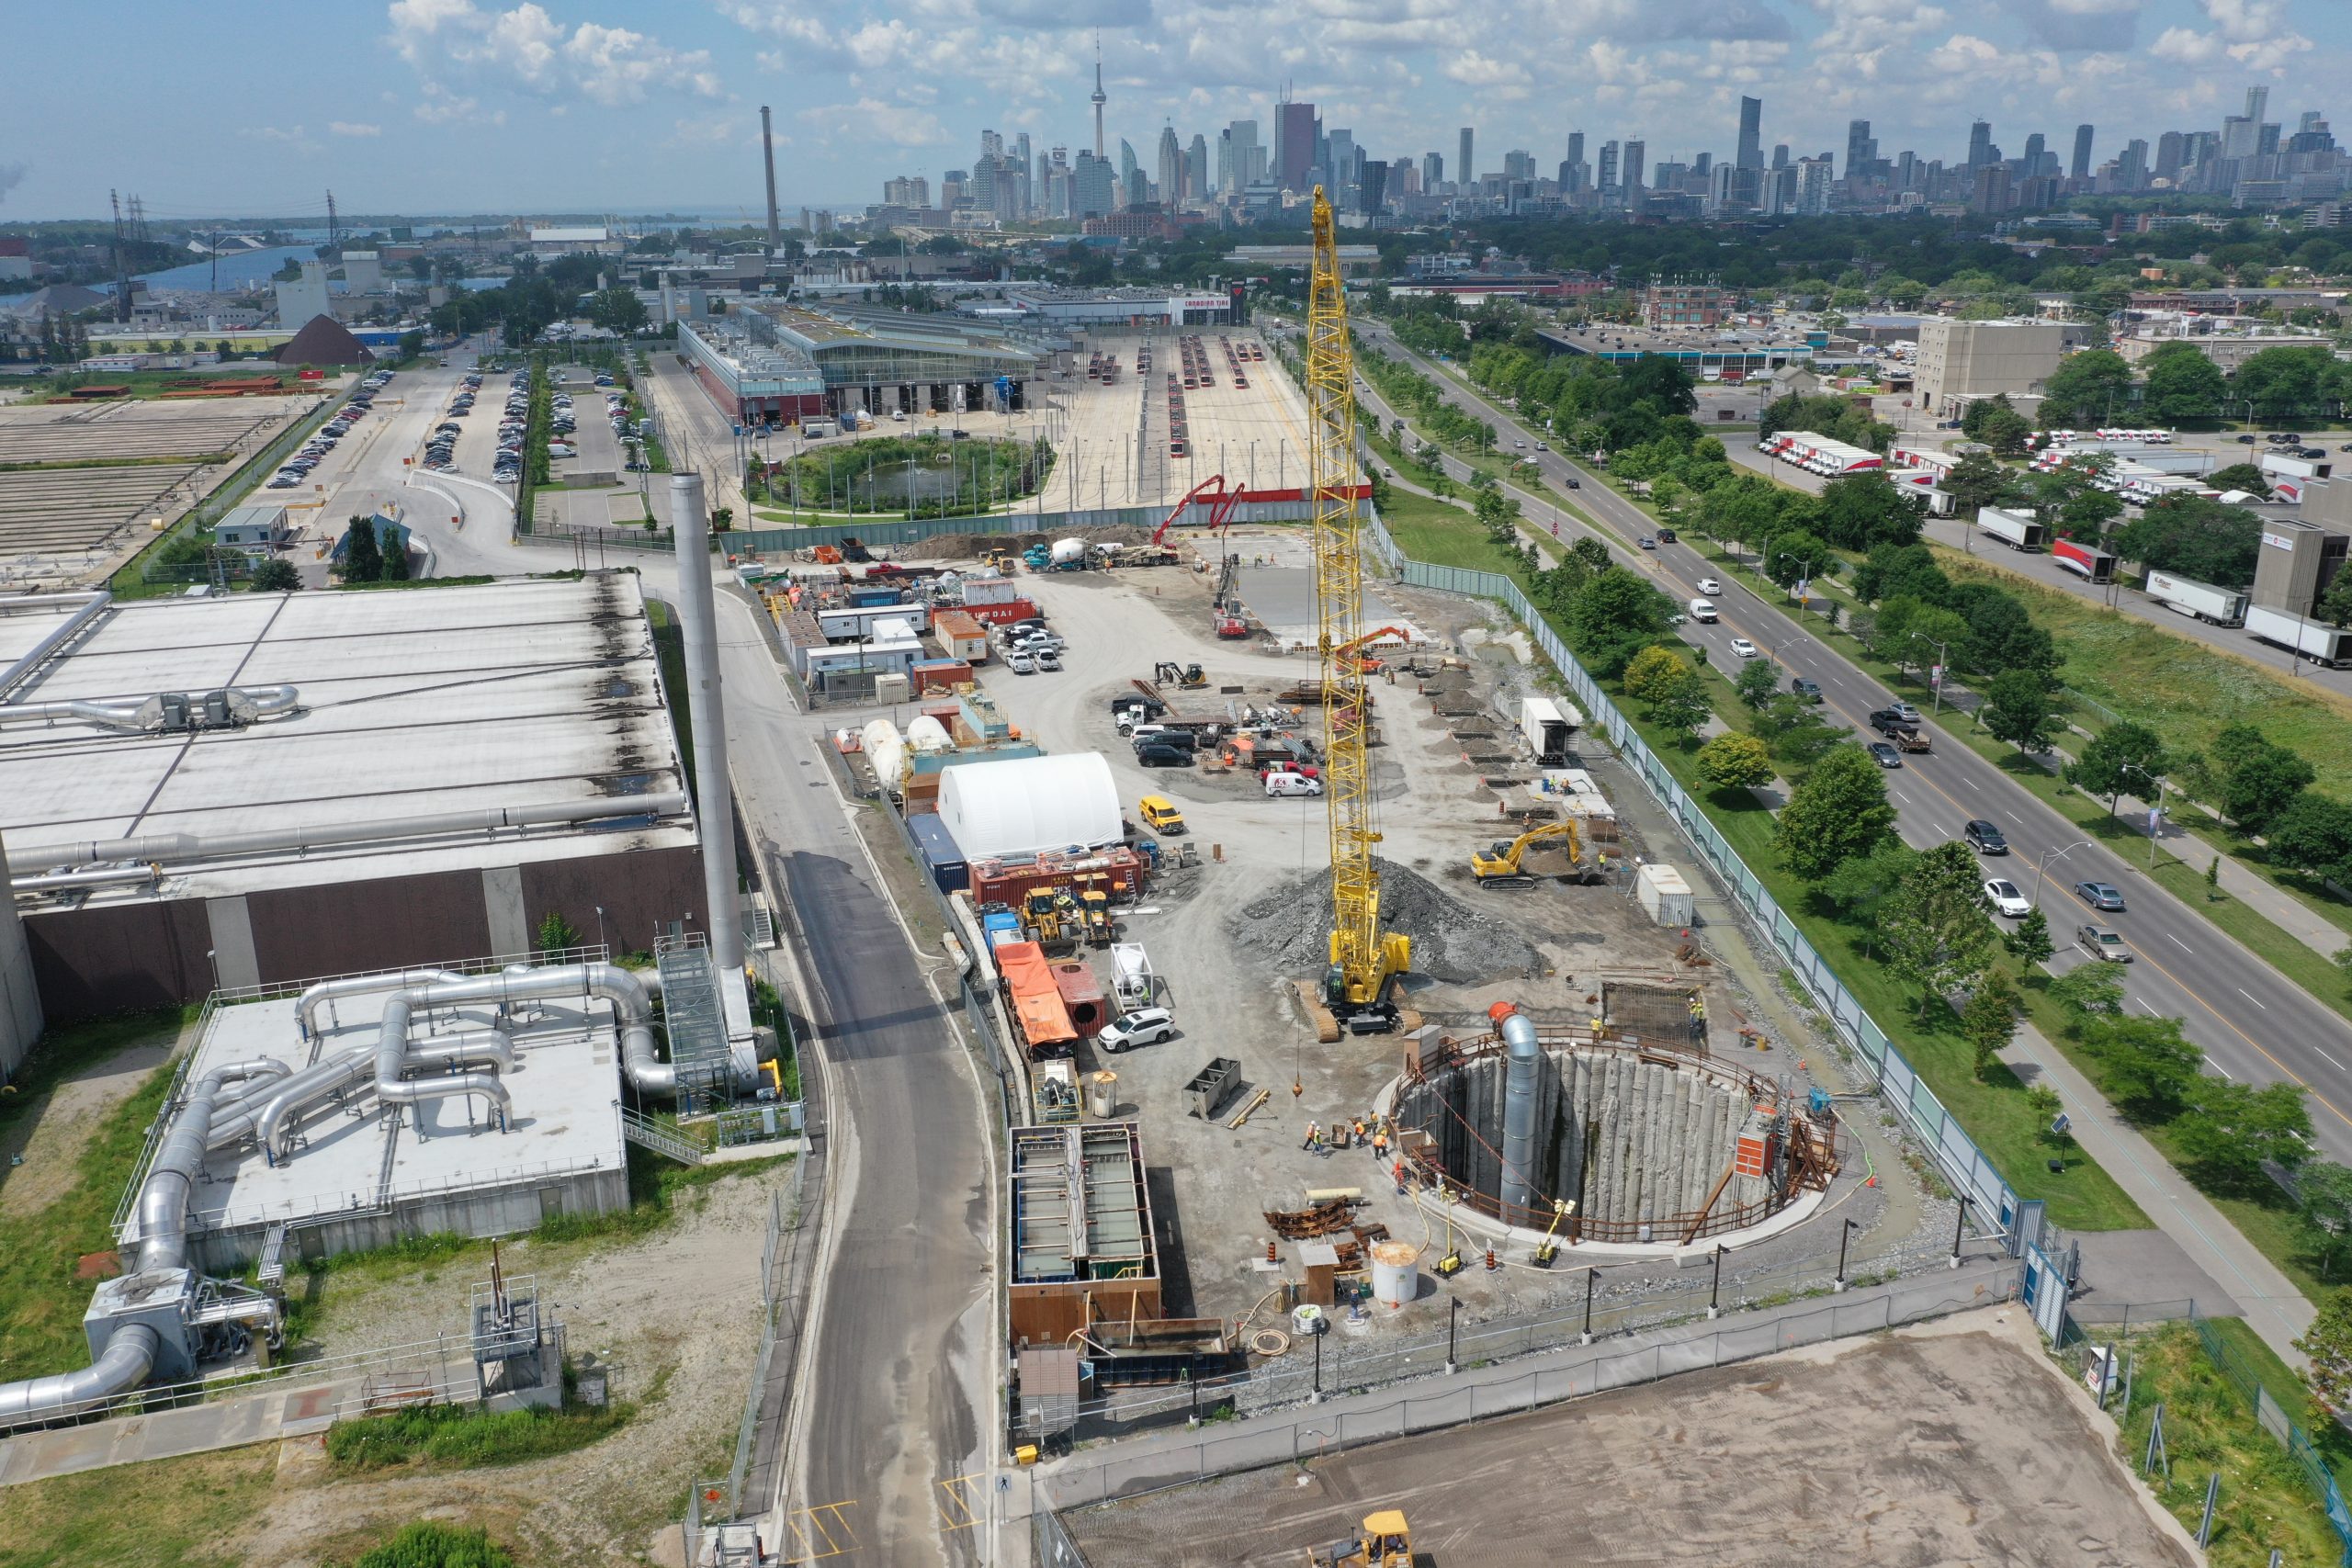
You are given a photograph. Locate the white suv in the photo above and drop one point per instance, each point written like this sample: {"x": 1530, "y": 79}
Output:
{"x": 1145, "y": 1026}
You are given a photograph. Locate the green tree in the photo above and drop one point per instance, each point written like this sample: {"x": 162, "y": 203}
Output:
{"x": 2324, "y": 1201}
{"x": 2195, "y": 537}
{"x": 2285, "y": 383}
{"x": 2030, "y": 940}
{"x": 1756, "y": 681}
{"x": 2004, "y": 430}
{"x": 2334, "y": 606}
{"x": 1614, "y": 616}
{"x": 1977, "y": 481}
{"x": 2260, "y": 788}
{"x": 1650, "y": 673}
{"x": 1734, "y": 761}
{"x": 2313, "y": 835}
{"x": 276, "y": 576}
{"x": 2118, "y": 758}
{"x": 555, "y": 934}
{"x": 1859, "y": 512}
{"x": 363, "y": 561}
{"x": 2182, "y": 384}
{"x": 2086, "y": 389}
{"x": 1838, "y": 812}
{"x": 2151, "y": 1067}
{"x": 2088, "y": 994}
{"x": 2017, "y": 710}
{"x": 1798, "y": 554}
{"x": 394, "y": 553}
{"x": 1593, "y": 553}
{"x": 2326, "y": 1344}
{"x": 1989, "y": 1022}
{"x": 2240, "y": 476}
{"x": 1938, "y": 933}
{"x": 2230, "y": 1128}
{"x": 1861, "y": 886}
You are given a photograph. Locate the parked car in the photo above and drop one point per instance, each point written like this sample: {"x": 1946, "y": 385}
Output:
{"x": 1743, "y": 648}
{"x": 1886, "y": 756}
{"x": 1049, "y": 662}
{"x": 1020, "y": 663}
{"x": 1984, "y": 838}
{"x": 1145, "y": 1026}
{"x": 2103, "y": 944}
{"x": 1158, "y": 753}
{"x": 2100, "y": 896}
{"x": 2006, "y": 901}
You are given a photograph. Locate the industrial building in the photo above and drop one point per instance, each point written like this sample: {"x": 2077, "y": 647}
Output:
{"x": 216, "y": 793}
{"x": 1079, "y": 308}
{"x": 768, "y": 362}
{"x": 1963, "y": 362}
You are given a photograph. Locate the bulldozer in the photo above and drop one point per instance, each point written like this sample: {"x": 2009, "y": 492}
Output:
{"x": 1049, "y": 917}
{"x": 1387, "y": 1541}
{"x": 1187, "y": 676}
{"x": 1500, "y": 865}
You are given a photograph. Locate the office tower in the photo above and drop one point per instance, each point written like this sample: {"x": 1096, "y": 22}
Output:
{"x": 2257, "y": 104}
{"x": 1989, "y": 188}
{"x": 1751, "y": 133}
{"x": 1780, "y": 155}
{"x": 1862, "y": 152}
{"x": 2265, "y": 140}
{"x": 1466, "y": 169}
{"x": 2169, "y": 147}
{"x": 2132, "y": 169}
{"x": 1433, "y": 172}
{"x": 2033, "y": 159}
{"x": 1907, "y": 171}
{"x": 1607, "y": 168}
{"x": 1196, "y": 169}
{"x": 1339, "y": 155}
{"x": 2081, "y": 168}
{"x": 1572, "y": 175}
{"x": 1519, "y": 164}
{"x": 1025, "y": 156}
{"x": 1099, "y": 99}
{"x": 1294, "y": 144}
{"x": 1980, "y": 143}
{"x": 1242, "y": 136}
{"x": 1635, "y": 154}
{"x": 1372, "y": 185}
{"x": 1092, "y": 186}
{"x": 1813, "y": 186}
{"x": 992, "y": 144}
{"x": 1170, "y": 167}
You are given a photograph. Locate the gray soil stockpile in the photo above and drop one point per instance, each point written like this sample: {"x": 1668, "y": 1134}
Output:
{"x": 1290, "y": 925}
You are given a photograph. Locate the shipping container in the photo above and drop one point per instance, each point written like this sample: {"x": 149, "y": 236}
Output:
{"x": 2222, "y": 607}
{"x": 2315, "y": 640}
{"x": 943, "y": 861}
{"x": 1002, "y": 613}
{"x": 1548, "y": 723}
{"x": 2019, "y": 530}
{"x": 2085, "y": 560}
{"x": 1081, "y": 997}
{"x": 960, "y": 636}
{"x": 1039, "y": 1016}
{"x": 1666, "y": 896}
{"x": 939, "y": 675}
{"x": 1009, "y": 882}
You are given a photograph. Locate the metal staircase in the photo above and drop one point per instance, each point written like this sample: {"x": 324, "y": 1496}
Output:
{"x": 667, "y": 1142}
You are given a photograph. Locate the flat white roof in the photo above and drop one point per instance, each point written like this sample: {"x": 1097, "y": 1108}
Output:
{"x": 413, "y": 702}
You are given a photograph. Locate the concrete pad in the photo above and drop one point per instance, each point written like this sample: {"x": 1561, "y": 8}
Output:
{"x": 2146, "y": 1267}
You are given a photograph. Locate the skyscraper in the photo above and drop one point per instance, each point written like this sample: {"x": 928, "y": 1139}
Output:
{"x": 1751, "y": 133}
{"x": 2257, "y": 104}
{"x": 1092, "y": 188}
{"x": 1237, "y": 148}
{"x": 1636, "y": 155}
{"x": 1196, "y": 169}
{"x": 2169, "y": 148}
{"x": 1100, "y": 100}
{"x": 1862, "y": 152}
{"x": 1294, "y": 144}
{"x": 1131, "y": 174}
{"x": 1572, "y": 170}
{"x": 1466, "y": 169}
{"x": 1172, "y": 168}
{"x": 2033, "y": 153}
{"x": 1608, "y": 168}
{"x": 2081, "y": 167}
{"x": 1433, "y": 172}
{"x": 1980, "y": 143}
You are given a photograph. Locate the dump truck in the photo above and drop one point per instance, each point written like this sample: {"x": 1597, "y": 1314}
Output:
{"x": 1386, "y": 1541}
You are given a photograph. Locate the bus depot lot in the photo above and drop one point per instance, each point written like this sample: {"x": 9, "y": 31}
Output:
{"x": 1955, "y": 1441}
{"x": 1211, "y": 931}
{"x": 1255, "y": 436}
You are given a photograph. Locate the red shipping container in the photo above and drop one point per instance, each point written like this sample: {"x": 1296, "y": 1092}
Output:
{"x": 999, "y": 614}
{"x": 940, "y": 675}
{"x": 1081, "y": 997}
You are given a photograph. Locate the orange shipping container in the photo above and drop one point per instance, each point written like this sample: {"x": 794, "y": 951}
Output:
{"x": 1037, "y": 1007}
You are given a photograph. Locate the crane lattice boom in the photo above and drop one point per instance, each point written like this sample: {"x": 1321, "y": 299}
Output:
{"x": 1363, "y": 962}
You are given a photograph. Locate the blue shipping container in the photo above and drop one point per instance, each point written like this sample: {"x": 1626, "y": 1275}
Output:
{"x": 941, "y": 858}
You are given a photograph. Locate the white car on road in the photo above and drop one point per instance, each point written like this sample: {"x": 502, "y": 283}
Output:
{"x": 1743, "y": 647}
{"x": 1710, "y": 586}
{"x": 2006, "y": 901}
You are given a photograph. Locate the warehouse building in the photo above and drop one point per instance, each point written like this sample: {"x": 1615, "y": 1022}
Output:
{"x": 1965, "y": 362}
{"x": 213, "y": 794}
{"x": 770, "y": 362}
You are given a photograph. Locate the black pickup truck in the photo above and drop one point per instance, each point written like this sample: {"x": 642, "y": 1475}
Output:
{"x": 1903, "y": 732}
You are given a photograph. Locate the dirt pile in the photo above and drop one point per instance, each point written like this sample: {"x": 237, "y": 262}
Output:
{"x": 966, "y": 547}
{"x": 1290, "y": 925}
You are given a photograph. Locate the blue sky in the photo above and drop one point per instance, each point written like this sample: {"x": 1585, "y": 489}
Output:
{"x": 589, "y": 104}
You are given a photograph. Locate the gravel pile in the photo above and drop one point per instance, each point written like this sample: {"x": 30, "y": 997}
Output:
{"x": 965, "y": 547}
{"x": 1290, "y": 924}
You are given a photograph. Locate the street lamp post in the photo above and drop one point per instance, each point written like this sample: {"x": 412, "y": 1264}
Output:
{"x": 1804, "y": 561}
{"x": 1943, "y": 662}
{"x": 2156, "y": 820}
{"x": 2049, "y": 856}
{"x": 1838, "y": 1286}
{"x": 1960, "y": 1229}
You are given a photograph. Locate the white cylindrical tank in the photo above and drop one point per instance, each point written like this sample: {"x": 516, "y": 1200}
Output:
{"x": 1102, "y": 1095}
{"x": 885, "y": 748}
{"x": 1395, "y": 1272}
{"x": 927, "y": 733}
{"x": 1067, "y": 550}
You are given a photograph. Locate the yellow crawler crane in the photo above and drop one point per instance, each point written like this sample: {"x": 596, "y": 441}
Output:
{"x": 1365, "y": 961}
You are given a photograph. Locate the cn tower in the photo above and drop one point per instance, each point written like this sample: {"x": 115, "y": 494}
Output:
{"x": 1100, "y": 100}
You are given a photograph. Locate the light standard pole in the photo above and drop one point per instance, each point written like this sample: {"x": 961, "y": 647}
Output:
{"x": 1804, "y": 561}
{"x": 1943, "y": 653}
{"x": 1960, "y": 1229}
{"x": 2047, "y": 856}
{"x": 2156, "y": 817}
{"x": 1838, "y": 1286}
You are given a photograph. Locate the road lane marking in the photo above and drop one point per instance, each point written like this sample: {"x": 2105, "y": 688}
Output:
{"x": 956, "y": 1499}
{"x": 2252, "y": 998}
{"x": 2221, "y": 1069}
{"x": 2013, "y": 817}
{"x": 2179, "y": 943}
{"x": 2331, "y": 1061}
{"x": 815, "y": 1529}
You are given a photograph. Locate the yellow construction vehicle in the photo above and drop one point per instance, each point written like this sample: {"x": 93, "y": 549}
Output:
{"x": 1386, "y": 1542}
{"x": 1500, "y": 865}
{"x": 1187, "y": 676}
{"x": 1365, "y": 961}
{"x": 1048, "y": 916}
{"x": 1095, "y": 910}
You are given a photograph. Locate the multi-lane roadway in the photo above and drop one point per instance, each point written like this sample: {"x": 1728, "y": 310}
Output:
{"x": 2254, "y": 1024}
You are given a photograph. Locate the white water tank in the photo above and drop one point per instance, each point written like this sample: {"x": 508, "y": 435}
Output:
{"x": 1102, "y": 1095}
{"x": 885, "y": 748}
{"x": 1068, "y": 550}
{"x": 1395, "y": 1272}
{"x": 927, "y": 733}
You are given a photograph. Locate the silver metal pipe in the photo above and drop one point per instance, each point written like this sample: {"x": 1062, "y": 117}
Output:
{"x": 476, "y": 1048}
{"x": 16, "y": 673}
{"x": 123, "y": 713}
{"x": 124, "y": 1364}
{"x": 1519, "y": 1111}
{"x": 392, "y": 1060}
{"x": 267, "y": 1121}
{"x": 697, "y": 620}
{"x": 102, "y": 877}
{"x": 177, "y": 848}
{"x": 306, "y": 1010}
{"x": 163, "y": 1197}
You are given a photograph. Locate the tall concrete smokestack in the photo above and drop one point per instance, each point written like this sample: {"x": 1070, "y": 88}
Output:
{"x": 767, "y": 155}
{"x": 715, "y": 802}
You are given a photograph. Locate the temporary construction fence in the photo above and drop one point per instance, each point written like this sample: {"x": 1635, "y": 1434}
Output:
{"x": 2283, "y": 1426}
{"x": 1971, "y": 1172}
{"x": 1322, "y": 1432}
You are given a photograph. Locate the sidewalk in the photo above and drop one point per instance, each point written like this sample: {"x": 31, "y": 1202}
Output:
{"x": 2249, "y": 888}
{"x": 2274, "y": 1308}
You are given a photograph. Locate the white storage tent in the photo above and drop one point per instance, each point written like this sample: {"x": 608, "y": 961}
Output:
{"x": 1028, "y": 804}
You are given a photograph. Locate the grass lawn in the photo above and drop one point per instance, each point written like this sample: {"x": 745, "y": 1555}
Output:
{"x": 186, "y": 1510}
{"x": 2266, "y": 1503}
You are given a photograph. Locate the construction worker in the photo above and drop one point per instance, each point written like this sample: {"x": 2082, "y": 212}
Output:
{"x": 1399, "y": 1173}
{"x": 1358, "y": 1132}
{"x": 1314, "y": 1137}
{"x": 1380, "y": 1145}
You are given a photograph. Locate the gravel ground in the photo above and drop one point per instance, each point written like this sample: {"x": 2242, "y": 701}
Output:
{"x": 1290, "y": 924}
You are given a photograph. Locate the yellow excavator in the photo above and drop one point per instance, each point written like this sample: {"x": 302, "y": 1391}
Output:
{"x": 1386, "y": 1542}
{"x": 1498, "y": 867}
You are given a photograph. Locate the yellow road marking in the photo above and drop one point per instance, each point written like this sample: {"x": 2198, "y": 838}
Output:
{"x": 821, "y": 1531}
{"x": 958, "y": 1500}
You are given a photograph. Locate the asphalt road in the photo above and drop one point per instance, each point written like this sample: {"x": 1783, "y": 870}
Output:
{"x": 2253, "y": 1023}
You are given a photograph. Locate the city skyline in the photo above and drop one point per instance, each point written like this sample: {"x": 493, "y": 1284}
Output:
{"x": 585, "y": 106}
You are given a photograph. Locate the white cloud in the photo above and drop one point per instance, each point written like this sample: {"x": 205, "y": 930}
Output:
{"x": 441, "y": 106}
{"x": 286, "y": 135}
{"x": 872, "y": 121}
{"x": 611, "y": 66}
{"x": 1474, "y": 69}
{"x": 349, "y": 127}
{"x": 2187, "y": 46}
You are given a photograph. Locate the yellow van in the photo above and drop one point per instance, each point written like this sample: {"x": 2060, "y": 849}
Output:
{"x": 1159, "y": 814}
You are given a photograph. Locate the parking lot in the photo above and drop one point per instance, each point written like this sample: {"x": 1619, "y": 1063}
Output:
{"x": 1254, "y": 435}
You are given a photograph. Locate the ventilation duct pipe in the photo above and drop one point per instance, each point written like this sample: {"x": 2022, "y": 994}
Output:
{"x": 1519, "y": 1111}
{"x": 146, "y": 713}
{"x": 103, "y": 877}
{"x": 131, "y": 1350}
{"x": 306, "y": 1010}
{"x": 698, "y": 624}
{"x": 392, "y": 1060}
{"x": 18, "y": 673}
{"x": 176, "y": 847}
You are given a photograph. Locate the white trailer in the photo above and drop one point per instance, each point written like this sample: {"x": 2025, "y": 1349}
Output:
{"x": 2300, "y": 635}
{"x": 1131, "y": 978}
{"x": 1546, "y": 724}
{"x": 2186, "y": 596}
{"x": 2019, "y": 530}
{"x": 1666, "y": 896}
